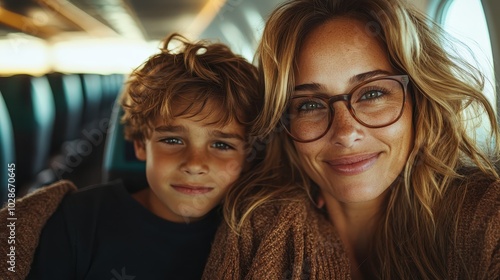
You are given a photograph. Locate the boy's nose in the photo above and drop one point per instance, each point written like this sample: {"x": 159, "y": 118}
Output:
{"x": 196, "y": 163}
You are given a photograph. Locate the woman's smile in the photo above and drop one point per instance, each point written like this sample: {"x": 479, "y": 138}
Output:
{"x": 353, "y": 165}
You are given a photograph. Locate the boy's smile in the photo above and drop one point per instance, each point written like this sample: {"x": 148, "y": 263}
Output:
{"x": 189, "y": 189}
{"x": 191, "y": 161}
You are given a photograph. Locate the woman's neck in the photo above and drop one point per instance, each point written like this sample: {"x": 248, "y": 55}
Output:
{"x": 356, "y": 224}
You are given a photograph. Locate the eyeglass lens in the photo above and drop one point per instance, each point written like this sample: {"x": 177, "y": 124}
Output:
{"x": 376, "y": 103}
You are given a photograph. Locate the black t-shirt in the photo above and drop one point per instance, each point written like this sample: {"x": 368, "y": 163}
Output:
{"x": 101, "y": 232}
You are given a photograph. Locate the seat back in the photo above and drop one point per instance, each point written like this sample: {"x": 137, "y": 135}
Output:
{"x": 68, "y": 98}
{"x": 119, "y": 157}
{"x": 92, "y": 96}
{"x": 7, "y": 147}
{"x": 111, "y": 87}
{"x": 31, "y": 109}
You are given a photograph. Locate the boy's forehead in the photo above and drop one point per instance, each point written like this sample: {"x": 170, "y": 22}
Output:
{"x": 210, "y": 112}
{"x": 198, "y": 125}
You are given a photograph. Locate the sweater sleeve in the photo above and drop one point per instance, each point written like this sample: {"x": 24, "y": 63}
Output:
{"x": 478, "y": 242}
{"x": 232, "y": 253}
{"x": 25, "y": 222}
{"x": 289, "y": 240}
{"x": 492, "y": 240}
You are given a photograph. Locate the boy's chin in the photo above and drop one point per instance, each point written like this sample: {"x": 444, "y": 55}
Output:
{"x": 190, "y": 214}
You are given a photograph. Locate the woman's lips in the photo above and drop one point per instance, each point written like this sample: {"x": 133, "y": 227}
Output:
{"x": 191, "y": 190}
{"x": 354, "y": 164}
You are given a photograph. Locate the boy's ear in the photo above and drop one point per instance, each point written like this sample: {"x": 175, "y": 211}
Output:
{"x": 140, "y": 149}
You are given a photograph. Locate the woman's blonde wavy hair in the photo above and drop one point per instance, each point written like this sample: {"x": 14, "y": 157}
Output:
{"x": 412, "y": 239}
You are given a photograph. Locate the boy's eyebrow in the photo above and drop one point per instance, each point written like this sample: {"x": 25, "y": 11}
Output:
{"x": 221, "y": 134}
{"x": 170, "y": 128}
{"x": 215, "y": 133}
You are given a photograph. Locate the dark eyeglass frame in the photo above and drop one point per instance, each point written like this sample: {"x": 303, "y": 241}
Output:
{"x": 403, "y": 80}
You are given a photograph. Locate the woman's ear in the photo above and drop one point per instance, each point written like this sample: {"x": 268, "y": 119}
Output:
{"x": 320, "y": 201}
{"x": 317, "y": 197}
{"x": 140, "y": 149}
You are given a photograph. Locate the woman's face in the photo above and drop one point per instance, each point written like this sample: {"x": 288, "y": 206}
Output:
{"x": 351, "y": 163}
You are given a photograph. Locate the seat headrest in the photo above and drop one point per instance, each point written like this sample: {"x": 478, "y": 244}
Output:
{"x": 119, "y": 157}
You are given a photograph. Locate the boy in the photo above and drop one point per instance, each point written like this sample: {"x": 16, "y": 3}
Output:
{"x": 189, "y": 115}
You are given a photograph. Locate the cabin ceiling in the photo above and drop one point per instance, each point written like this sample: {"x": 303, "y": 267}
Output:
{"x": 134, "y": 19}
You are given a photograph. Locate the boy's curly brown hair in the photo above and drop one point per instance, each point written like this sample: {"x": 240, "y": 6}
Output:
{"x": 199, "y": 72}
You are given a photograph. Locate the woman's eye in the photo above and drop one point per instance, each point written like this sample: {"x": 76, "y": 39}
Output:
{"x": 310, "y": 105}
{"x": 172, "y": 141}
{"x": 372, "y": 94}
{"x": 222, "y": 146}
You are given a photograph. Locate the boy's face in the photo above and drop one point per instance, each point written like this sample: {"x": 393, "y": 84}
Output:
{"x": 190, "y": 164}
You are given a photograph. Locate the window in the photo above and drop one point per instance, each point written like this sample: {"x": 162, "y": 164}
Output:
{"x": 465, "y": 20}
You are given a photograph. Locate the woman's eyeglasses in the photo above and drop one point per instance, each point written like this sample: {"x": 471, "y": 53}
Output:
{"x": 374, "y": 103}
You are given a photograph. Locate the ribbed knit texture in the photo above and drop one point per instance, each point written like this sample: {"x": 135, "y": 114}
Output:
{"x": 279, "y": 242}
{"x": 32, "y": 212}
{"x": 478, "y": 235}
{"x": 295, "y": 241}
{"x": 286, "y": 241}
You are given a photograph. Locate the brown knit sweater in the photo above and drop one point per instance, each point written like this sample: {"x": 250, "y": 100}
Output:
{"x": 295, "y": 241}
{"x": 290, "y": 241}
{"x": 31, "y": 213}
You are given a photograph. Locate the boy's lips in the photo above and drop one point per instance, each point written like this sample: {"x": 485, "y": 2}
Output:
{"x": 192, "y": 190}
{"x": 354, "y": 164}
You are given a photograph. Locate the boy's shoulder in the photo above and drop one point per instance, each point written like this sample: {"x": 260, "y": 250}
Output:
{"x": 91, "y": 192}
{"x": 95, "y": 198}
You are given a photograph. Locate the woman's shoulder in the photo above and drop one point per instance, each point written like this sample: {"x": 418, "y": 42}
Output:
{"x": 285, "y": 214}
{"x": 481, "y": 192}
{"x": 481, "y": 206}
{"x": 478, "y": 228}
{"x": 284, "y": 207}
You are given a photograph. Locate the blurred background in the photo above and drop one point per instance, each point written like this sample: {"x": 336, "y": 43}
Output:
{"x": 63, "y": 64}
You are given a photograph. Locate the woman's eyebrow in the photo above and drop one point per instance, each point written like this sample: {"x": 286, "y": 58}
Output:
{"x": 308, "y": 87}
{"x": 352, "y": 81}
{"x": 368, "y": 75}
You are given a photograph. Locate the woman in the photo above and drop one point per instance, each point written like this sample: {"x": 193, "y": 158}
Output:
{"x": 365, "y": 114}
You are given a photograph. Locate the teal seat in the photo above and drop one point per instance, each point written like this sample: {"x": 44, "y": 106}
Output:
{"x": 92, "y": 98}
{"x": 30, "y": 104}
{"x": 68, "y": 98}
{"x": 7, "y": 147}
{"x": 119, "y": 161}
{"x": 111, "y": 87}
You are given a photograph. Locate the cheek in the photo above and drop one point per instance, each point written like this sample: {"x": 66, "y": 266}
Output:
{"x": 307, "y": 153}
{"x": 407, "y": 128}
{"x": 400, "y": 138}
{"x": 306, "y": 150}
{"x": 159, "y": 163}
{"x": 228, "y": 171}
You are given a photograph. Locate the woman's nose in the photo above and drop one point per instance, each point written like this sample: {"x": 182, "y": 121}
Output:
{"x": 344, "y": 130}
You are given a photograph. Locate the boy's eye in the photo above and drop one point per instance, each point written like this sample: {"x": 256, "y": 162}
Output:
{"x": 172, "y": 141}
{"x": 222, "y": 146}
